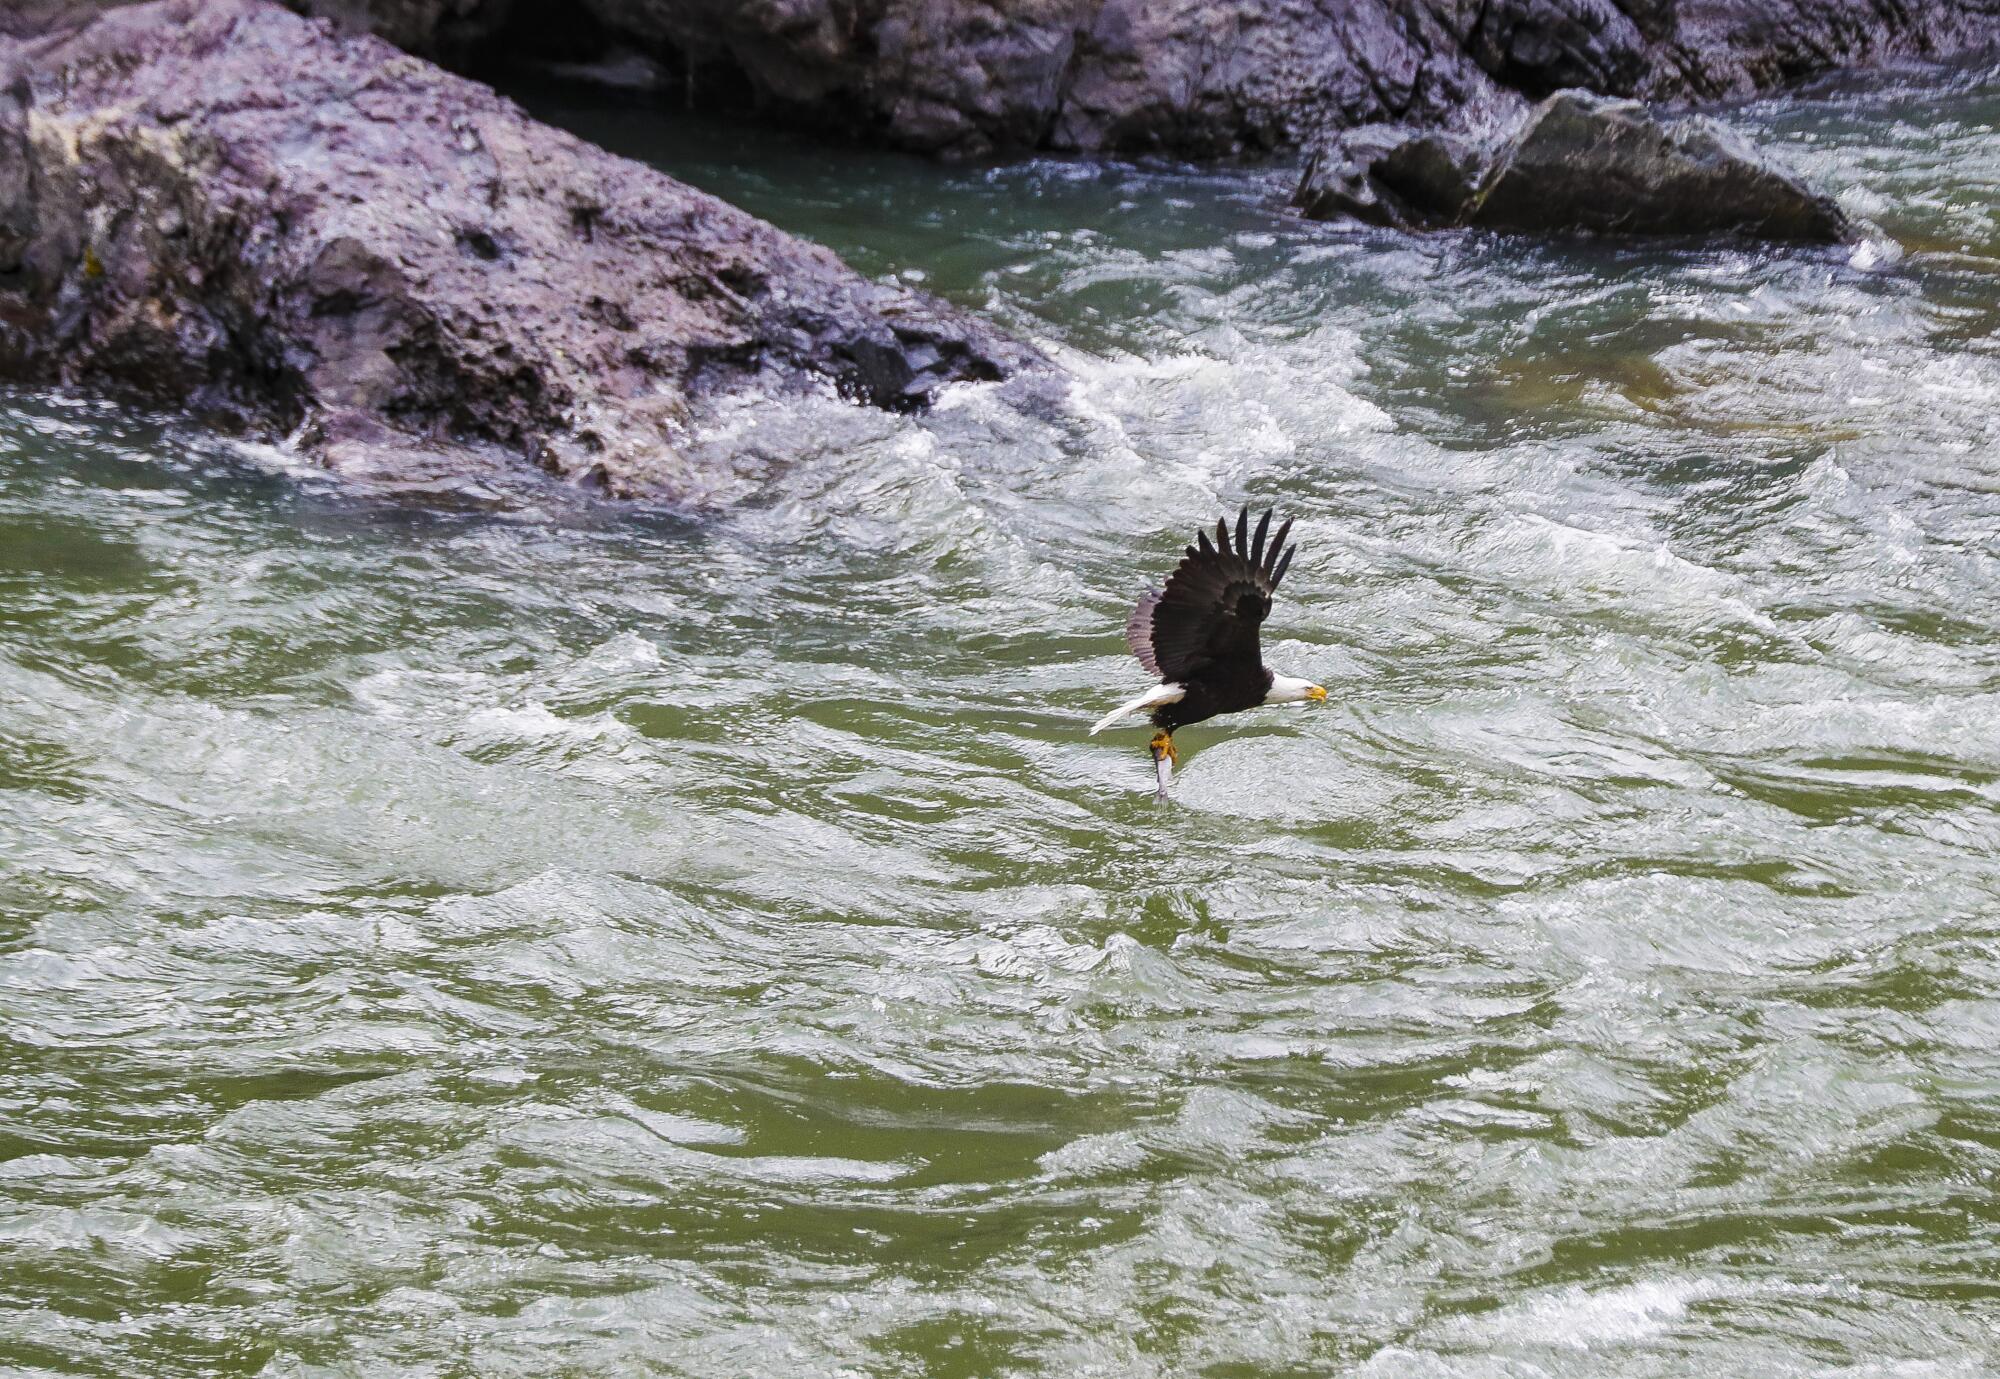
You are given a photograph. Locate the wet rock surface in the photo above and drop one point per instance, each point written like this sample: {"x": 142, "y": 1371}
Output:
{"x": 229, "y": 208}
{"x": 1574, "y": 162}
{"x": 1392, "y": 175}
{"x": 1195, "y": 77}
{"x": 1583, "y": 163}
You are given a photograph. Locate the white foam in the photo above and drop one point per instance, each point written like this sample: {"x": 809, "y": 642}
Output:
{"x": 1576, "y": 1318}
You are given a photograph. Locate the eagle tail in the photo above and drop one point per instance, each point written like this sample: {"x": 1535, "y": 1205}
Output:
{"x": 1151, "y": 699}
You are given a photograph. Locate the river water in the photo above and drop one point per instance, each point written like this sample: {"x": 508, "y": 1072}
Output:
{"x": 504, "y": 933}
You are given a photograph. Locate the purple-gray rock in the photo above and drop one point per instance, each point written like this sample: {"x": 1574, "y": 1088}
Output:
{"x": 1198, "y": 77}
{"x": 1575, "y": 162}
{"x": 1734, "y": 48}
{"x": 235, "y": 210}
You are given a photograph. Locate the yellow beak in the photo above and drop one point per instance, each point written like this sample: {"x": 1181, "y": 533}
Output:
{"x": 1317, "y": 694}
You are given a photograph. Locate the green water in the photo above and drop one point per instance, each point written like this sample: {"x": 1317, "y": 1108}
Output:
{"x": 516, "y": 935}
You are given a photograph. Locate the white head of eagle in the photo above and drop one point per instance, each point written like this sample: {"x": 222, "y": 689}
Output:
{"x": 1198, "y": 634}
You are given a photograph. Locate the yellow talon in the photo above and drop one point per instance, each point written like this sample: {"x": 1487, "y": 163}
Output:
{"x": 1163, "y": 746}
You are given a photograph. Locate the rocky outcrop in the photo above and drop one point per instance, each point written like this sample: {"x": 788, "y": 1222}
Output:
{"x": 227, "y": 207}
{"x": 1200, "y": 77}
{"x": 1576, "y": 162}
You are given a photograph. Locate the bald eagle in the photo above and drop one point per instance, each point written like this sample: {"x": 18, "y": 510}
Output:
{"x": 1199, "y": 635}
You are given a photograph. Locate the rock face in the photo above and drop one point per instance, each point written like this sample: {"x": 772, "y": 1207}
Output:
{"x": 1200, "y": 77}
{"x": 1719, "y": 48}
{"x": 1576, "y": 162}
{"x": 227, "y": 207}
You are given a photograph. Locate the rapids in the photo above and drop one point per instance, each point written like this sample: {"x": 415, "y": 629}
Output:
{"x": 508, "y": 933}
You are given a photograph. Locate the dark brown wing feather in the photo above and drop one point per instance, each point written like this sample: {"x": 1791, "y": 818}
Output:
{"x": 1139, "y": 630}
{"x": 1209, "y": 611}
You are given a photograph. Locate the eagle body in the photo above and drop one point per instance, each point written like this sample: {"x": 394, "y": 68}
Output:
{"x": 1229, "y": 688}
{"x": 1199, "y": 634}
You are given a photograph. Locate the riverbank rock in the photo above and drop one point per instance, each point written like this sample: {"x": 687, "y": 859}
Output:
{"x": 1576, "y": 162}
{"x": 1191, "y": 77}
{"x": 226, "y": 207}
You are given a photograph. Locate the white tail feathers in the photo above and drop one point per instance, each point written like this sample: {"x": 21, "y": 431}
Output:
{"x": 1151, "y": 699}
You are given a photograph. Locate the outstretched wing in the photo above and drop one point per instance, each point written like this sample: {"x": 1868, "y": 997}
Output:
{"x": 1139, "y": 630}
{"x": 1212, "y": 603}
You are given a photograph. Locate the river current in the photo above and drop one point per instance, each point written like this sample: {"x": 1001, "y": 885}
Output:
{"x": 502, "y": 932}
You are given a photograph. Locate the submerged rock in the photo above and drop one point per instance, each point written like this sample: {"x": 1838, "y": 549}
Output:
{"x": 1200, "y": 77}
{"x": 225, "y": 206}
{"x": 1575, "y": 162}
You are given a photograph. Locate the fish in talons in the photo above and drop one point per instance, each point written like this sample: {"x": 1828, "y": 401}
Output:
{"x": 1198, "y": 634}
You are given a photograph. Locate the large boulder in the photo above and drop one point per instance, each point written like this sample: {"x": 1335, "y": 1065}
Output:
{"x": 1201, "y": 77}
{"x": 1581, "y": 162}
{"x": 225, "y": 206}
{"x": 1576, "y": 162}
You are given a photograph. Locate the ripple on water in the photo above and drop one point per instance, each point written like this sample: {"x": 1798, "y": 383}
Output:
{"x": 521, "y": 936}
